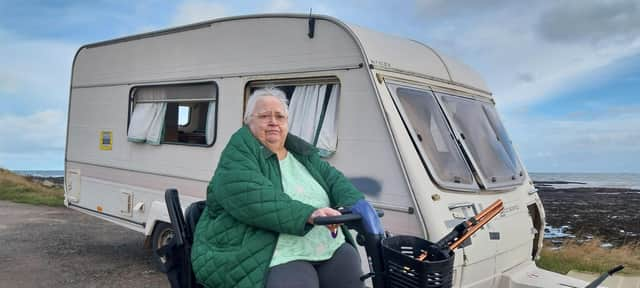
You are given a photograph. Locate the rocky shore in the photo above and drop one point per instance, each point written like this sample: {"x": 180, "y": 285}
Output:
{"x": 47, "y": 181}
{"x": 611, "y": 214}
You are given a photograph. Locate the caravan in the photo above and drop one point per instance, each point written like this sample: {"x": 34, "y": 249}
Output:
{"x": 416, "y": 131}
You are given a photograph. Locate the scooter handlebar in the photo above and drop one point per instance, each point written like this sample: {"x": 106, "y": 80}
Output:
{"x": 328, "y": 220}
{"x": 346, "y": 217}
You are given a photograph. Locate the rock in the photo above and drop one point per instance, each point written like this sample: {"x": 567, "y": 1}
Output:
{"x": 602, "y": 212}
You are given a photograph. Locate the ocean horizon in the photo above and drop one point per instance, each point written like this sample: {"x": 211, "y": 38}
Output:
{"x": 597, "y": 180}
{"x": 40, "y": 173}
{"x": 601, "y": 180}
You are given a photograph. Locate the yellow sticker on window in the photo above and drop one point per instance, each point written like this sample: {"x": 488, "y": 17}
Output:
{"x": 106, "y": 140}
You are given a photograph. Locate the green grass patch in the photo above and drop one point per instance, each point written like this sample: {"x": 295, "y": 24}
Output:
{"x": 590, "y": 257}
{"x": 19, "y": 189}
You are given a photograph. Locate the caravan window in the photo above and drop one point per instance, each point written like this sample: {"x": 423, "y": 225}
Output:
{"x": 174, "y": 114}
{"x": 312, "y": 110}
{"x": 485, "y": 139}
{"x": 433, "y": 137}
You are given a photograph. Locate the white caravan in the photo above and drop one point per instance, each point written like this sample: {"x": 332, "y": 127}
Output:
{"x": 415, "y": 130}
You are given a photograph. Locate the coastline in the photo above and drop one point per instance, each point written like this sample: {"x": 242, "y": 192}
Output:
{"x": 47, "y": 181}
{"x": 608, "y": 213}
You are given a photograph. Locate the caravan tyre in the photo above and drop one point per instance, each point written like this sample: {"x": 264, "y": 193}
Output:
{"x": 162, "y": 235}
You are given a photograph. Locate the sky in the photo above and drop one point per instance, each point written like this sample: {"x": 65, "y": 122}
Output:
{"x": 565, "y": 74}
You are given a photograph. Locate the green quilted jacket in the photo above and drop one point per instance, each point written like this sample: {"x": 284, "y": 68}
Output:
{"x": 247, "y": 209}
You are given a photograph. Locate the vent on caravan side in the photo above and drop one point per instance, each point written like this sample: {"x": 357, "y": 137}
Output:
{"x": 72, "y": 182}
{"x": 126, "y": 203}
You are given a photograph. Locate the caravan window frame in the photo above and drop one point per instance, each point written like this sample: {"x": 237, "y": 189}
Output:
{"x": 294, "y": 81}
{"x": 474, "y": 186}
{"x": 215, "y": 99}
{"x": 469, "y": 146}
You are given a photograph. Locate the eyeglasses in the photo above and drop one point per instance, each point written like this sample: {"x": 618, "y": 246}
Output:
{"x": 268, "y": 115}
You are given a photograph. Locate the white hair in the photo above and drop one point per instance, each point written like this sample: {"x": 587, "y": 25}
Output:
{"x": 265, "y": 92}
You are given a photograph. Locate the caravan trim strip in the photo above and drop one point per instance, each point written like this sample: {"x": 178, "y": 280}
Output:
{"x": 420, "y": 75}
{"x": 390, "y": 207}
{"x": 137, "y": 171}
{"x": 230, "y": 75}
{"x": 143, "y": 224}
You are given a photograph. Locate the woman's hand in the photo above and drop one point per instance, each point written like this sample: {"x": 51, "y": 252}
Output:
{"x": 323, "y": 212}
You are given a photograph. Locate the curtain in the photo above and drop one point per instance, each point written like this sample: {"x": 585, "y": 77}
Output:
{"x": 147, "y": 119}
{"x": 305, "y": 112}
{"x": 211, "y": 122}
{"x": 328, "y": 137}
{"x": 305, "y": 109}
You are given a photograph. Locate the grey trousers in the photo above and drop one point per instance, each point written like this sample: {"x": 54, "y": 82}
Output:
{"x": 342, "y": 270}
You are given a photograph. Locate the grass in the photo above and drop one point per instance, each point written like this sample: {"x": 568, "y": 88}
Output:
{"x": 19, "y": 189}
{"x": 590, "y": 257}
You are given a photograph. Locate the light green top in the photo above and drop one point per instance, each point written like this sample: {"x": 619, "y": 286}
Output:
{"x": 317, "y": 244}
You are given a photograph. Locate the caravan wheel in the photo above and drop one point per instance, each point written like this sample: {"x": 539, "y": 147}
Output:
{"x": 162, "y": 235}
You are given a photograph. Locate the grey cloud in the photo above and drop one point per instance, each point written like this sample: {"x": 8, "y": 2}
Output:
{"x": 601, "y": 111}
{"x": 197, "y": 10}
{"x": 619, "y": 140}
{"x": 526, "y": 77}
{"x": 594, "y": 22}
{"x": 448, "y": 8}
{"x": 33, "y": 134}
{"x": 630, "y": 110}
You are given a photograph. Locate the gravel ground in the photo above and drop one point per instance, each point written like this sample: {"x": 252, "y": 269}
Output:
{"x": 58, "y": 247}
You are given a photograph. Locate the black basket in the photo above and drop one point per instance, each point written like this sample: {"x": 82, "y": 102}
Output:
{"x": 402, "y": 269}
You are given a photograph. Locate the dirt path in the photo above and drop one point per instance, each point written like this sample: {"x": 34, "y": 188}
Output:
{"x": 58, "y": 247}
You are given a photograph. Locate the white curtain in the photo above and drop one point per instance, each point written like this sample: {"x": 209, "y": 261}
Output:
{"x": 305, "y": 111}
{"x": 147, "y": 119}
{"x": 328, "y": 138}
{"x": 211, "y": 122}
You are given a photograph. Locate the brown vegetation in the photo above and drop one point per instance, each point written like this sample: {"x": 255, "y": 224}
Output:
{"x": 589, "y": 257}
{"x": 22, "y": 189}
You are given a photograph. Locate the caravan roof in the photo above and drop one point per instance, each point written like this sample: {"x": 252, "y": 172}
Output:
{"x": 387, "y": 52}
{"x": 380, "y": 51}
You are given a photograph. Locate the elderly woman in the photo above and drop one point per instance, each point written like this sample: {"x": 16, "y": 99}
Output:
{"x": 257, "y": 229}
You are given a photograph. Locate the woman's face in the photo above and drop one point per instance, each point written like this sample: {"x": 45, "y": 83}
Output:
{"x": 269, "y": 123}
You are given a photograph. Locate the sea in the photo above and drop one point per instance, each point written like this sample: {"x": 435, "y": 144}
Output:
{"x": 608, "y": 180}
{"x": 40, "y": 173}
{"x": 599, "y": 180}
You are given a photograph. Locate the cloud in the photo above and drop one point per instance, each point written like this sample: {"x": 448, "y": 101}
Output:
{"x": 513, "y": 45}
{"x": 593, "y": 22}
{"x": 42, "y": 130}
{"x": 448, "y": 8}
{"x": 604, "y": 142}
{"x": 34, "y": 88}
{"x": 35, "y": 72}
{"x": 198, "y": 10}
{"x": 275, "y": 6}
{"x": 34, "y": 141}
{"x": 8, "y": 82}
